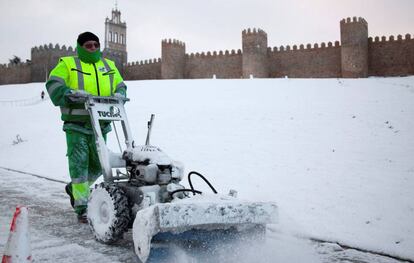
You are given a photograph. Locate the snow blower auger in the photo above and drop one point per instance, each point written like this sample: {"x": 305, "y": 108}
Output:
{"x": 149, "y": 197}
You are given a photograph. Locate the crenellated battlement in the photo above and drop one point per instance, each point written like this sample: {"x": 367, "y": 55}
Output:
{"x": 254, "y": 31}
{"x": 390, "y": 39}
{"x": 15, "y": 73}
{"x": 51, "y": 48}
{"x": 354, "y": 20}
{"x": 144, "y": 62}
{"x": 144, "y": 69}
{"x": 214, "y": 54}
{"x": 173, "y": 42}
{"x": 356, "y": 55}
{"x": 354, "y": 51}
{"x": 15, "y": 66}
{"x": 254, "y": 59}
{"x": 253, "y": 38}
{"x": 303, "y": 47}
{"x": 173, "y": 59}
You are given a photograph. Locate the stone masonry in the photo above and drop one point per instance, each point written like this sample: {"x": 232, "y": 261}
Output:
{"x": 355, "y": 56}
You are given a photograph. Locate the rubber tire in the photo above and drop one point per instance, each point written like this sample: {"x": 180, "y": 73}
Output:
{"x": 108, "y": 213}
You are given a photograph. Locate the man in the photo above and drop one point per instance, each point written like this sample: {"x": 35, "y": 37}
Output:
{"x": 87, "y": 73}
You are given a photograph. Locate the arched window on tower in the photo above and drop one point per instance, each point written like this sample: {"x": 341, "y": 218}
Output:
{"x": 110, "y": 36}
{"x": 116, "y": 37}
{"x": 122, "y": 39}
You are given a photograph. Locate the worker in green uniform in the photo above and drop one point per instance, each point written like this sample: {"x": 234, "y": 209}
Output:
{"x": 86, "y": 73}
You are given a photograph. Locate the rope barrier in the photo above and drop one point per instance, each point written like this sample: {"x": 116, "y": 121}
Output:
{"x": 23, "y": 102}
{"x": 32, "y": 174}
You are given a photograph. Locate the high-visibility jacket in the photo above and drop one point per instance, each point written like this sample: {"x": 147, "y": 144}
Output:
{"x": 101, "y": 78}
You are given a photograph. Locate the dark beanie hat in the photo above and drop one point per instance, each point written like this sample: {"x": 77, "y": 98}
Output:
{"x": 87, "y": 36}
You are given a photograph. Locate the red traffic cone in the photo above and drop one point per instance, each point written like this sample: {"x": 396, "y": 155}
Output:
{"x": 18, "y": 245}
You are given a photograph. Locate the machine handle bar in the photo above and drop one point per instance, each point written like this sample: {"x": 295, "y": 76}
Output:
{"x": 84, "y": 97}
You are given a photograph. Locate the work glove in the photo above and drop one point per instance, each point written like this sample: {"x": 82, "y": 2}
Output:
{"x": 121, "y": 97}
{"x": 76, "y": 96}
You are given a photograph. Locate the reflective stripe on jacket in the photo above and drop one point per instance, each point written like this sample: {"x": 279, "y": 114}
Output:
{"x": 96, "y": 79}
{"x": 101, "y": 78}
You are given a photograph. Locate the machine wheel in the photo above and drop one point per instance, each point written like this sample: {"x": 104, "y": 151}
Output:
{"x": 108, "y": 213}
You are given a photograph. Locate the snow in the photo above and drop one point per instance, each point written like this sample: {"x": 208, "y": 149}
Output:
{"x": 207, "y": 212}
{"x": 153, "y": 155}
{"x": 336, "y": 155}
{"x": 142, "y": 239}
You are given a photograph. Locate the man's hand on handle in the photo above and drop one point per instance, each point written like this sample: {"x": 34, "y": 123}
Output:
{"x": 80, "y": 96}
{"x": 77, "y": 96}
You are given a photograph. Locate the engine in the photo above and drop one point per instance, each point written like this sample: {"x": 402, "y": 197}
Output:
{"x": 149, "y": 165}
{"x": 153, "y": 176}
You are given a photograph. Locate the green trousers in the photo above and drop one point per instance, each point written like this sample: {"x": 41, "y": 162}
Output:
{"x": 84, "y": 166}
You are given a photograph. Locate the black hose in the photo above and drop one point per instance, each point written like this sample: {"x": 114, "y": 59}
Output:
{"x": 202, "y": 177}
{"x": 186, "y": 190}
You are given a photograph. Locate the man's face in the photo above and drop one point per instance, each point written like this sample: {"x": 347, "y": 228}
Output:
{"x": 91, "y": 45}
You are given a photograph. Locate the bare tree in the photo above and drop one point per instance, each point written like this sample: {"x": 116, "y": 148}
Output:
{"x": 15, "y": 60}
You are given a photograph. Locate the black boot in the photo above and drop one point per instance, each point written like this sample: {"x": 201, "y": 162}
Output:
{"x": 82, "y": 218}
{"x": 68, "y": 189}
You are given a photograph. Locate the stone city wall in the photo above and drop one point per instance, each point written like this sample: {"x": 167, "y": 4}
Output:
{"x": 392, "y": 57}
{"x": 355, "y": 56}
{"x": 12, "y": 74}
{"x": 148, "y": 69}
{"x": 45, "y": 58}
{"x": 317, "y": 61}
{"x": 225, "y": 65}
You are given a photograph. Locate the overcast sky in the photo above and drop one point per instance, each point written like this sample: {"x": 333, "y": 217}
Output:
{"x": 209, "y": 25}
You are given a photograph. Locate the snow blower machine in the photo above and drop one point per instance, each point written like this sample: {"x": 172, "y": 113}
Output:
{"x": 147, "y": 195}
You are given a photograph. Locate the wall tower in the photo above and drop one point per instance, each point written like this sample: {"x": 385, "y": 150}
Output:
{"x": 115, "y": 39}
{"x": 354, "y": 48}
{"x": 172, "y": 59}
{"x": 254, "y": 43}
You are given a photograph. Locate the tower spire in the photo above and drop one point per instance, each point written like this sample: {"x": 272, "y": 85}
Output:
{"x": 116, "y": 4}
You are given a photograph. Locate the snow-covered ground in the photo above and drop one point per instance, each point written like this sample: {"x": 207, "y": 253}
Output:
{"x": 336, "y": 155}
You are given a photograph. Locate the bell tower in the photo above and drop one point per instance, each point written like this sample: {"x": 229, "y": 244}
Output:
{"x": 115, "y": 39}
{"x": 115, "y": 32}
